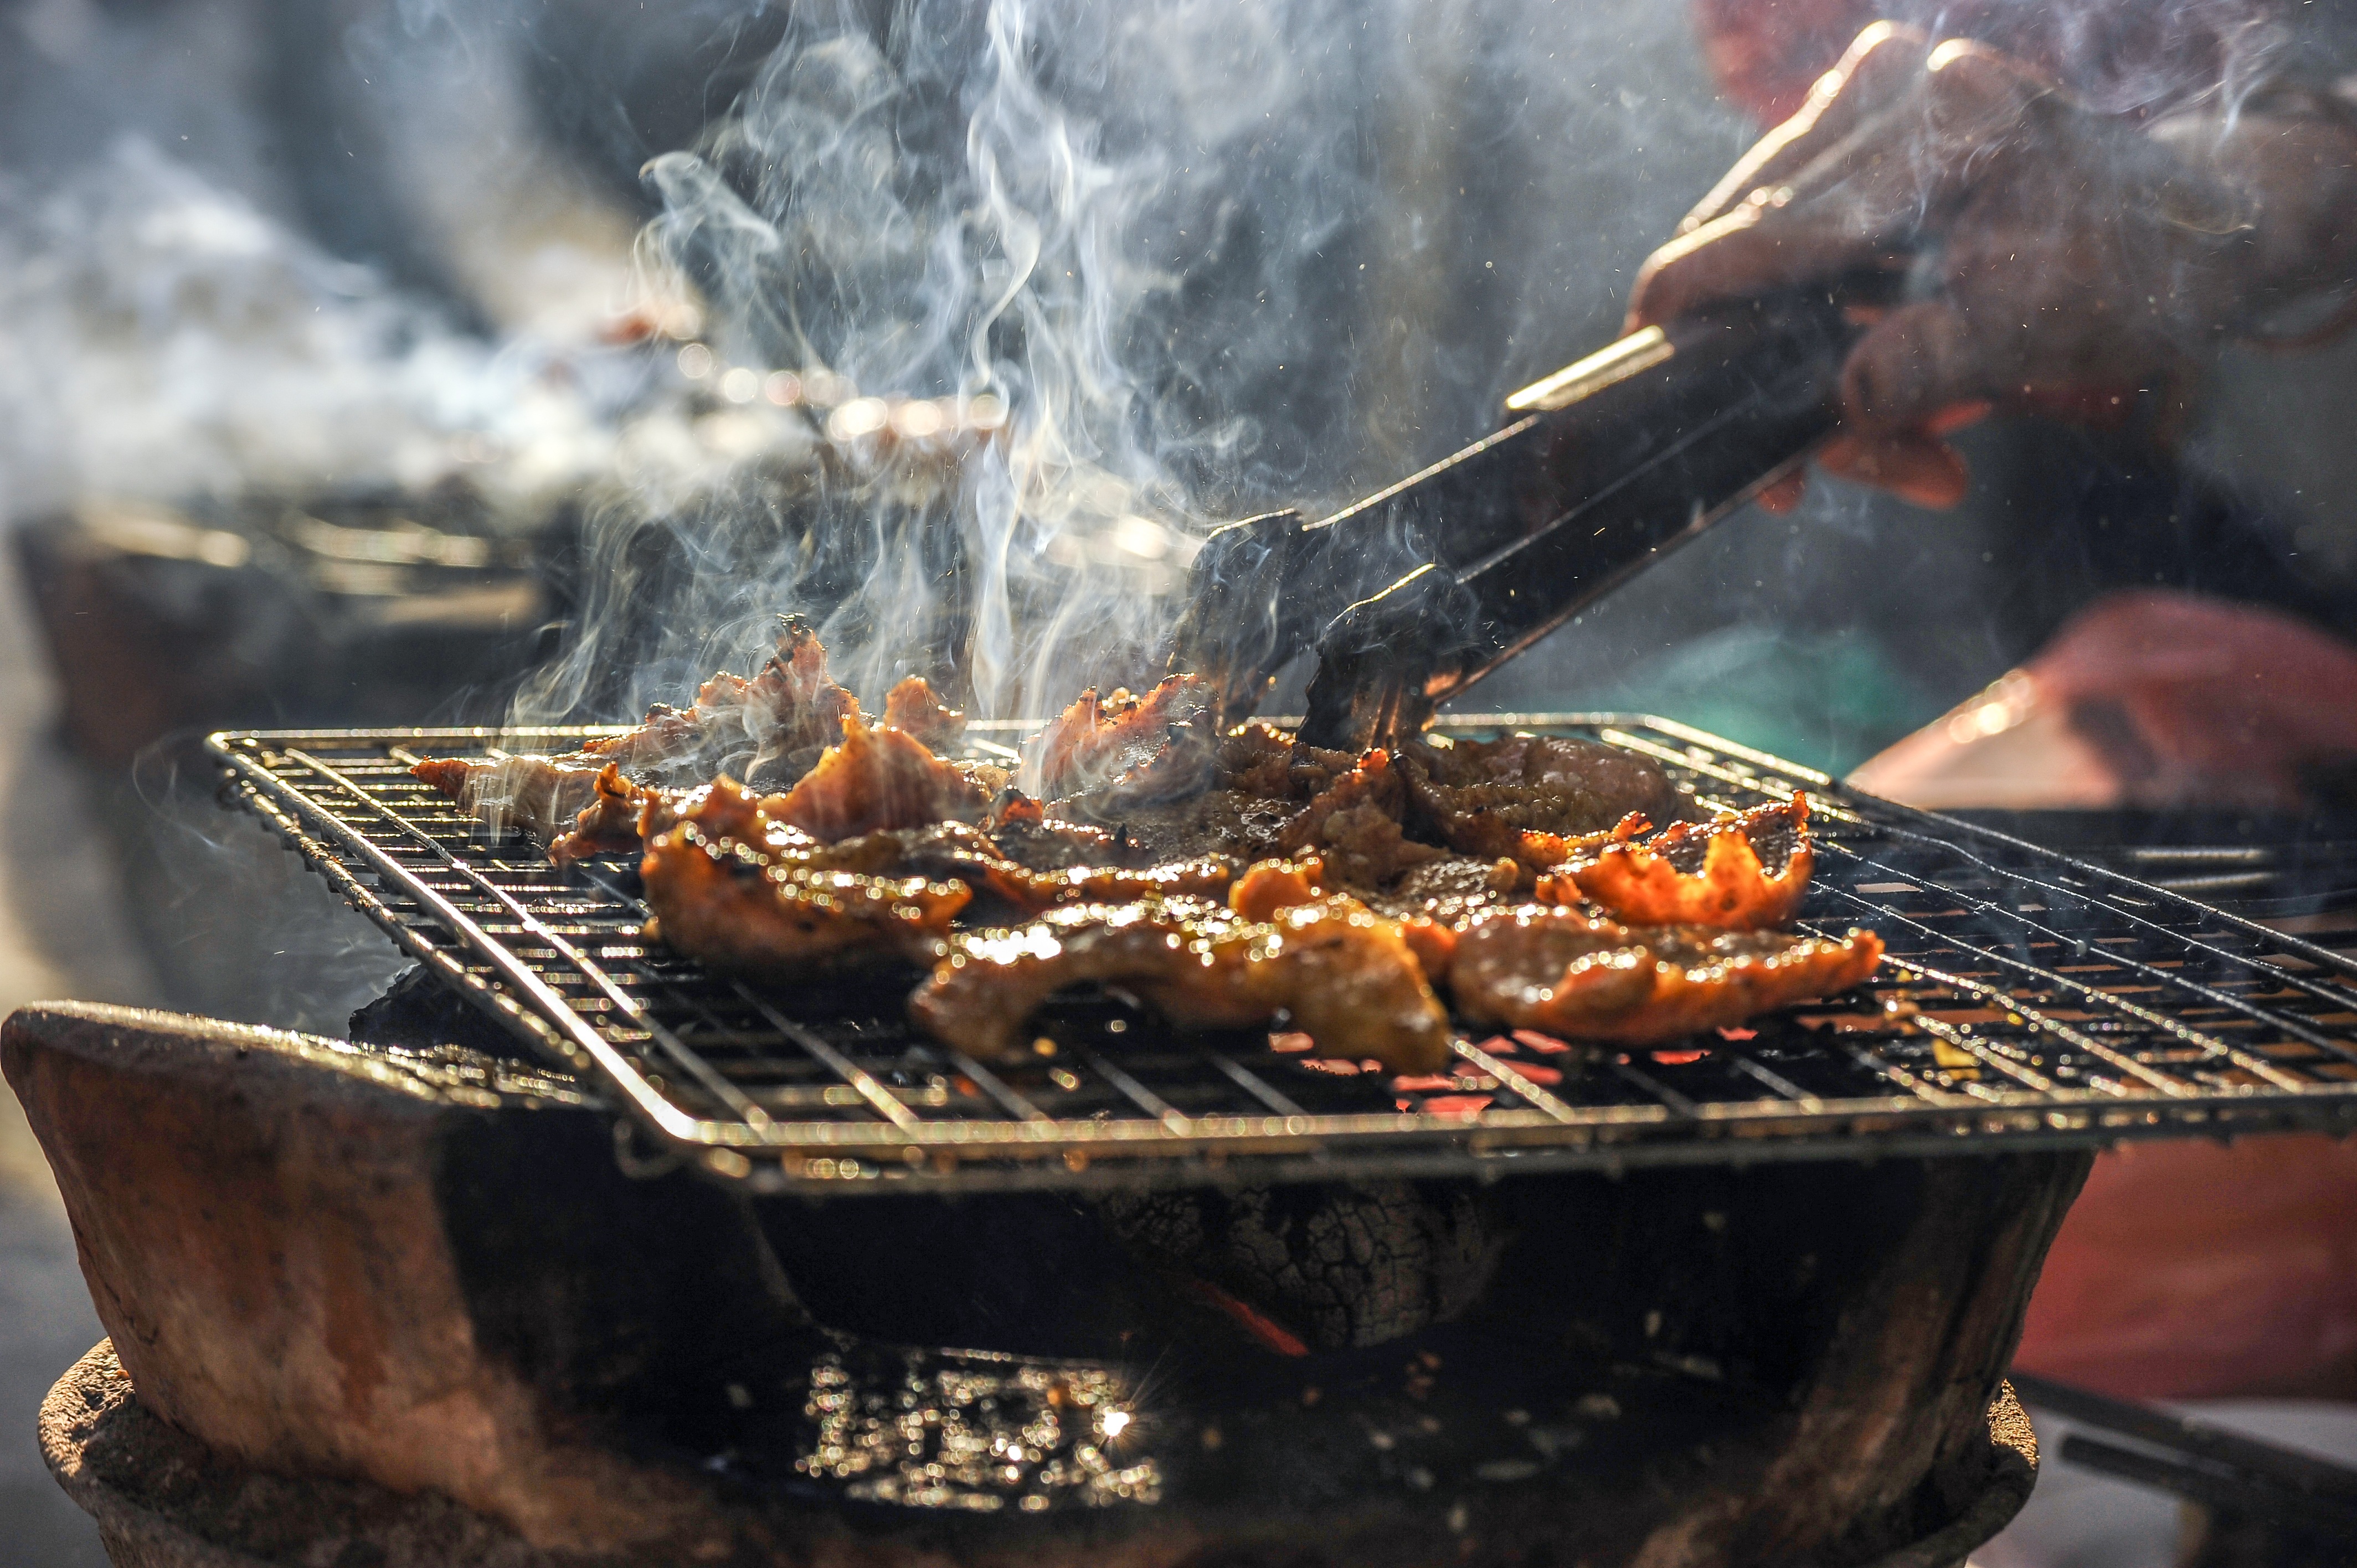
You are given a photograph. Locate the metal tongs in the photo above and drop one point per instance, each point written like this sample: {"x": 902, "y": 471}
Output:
{"x": 1411, "y": 595}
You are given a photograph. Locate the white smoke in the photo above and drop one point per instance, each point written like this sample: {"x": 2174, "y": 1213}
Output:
{"x": 163, "y": 337}
{"x": 1212, "y": 256}
{"x": 1110, "y": 221}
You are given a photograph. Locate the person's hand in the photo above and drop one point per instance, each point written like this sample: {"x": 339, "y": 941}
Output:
{"x": 2078, "y": 260}
{"x": 2146, "y": 698}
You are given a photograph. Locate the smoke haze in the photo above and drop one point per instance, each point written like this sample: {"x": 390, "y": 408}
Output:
{"x": 1210, "y": 258}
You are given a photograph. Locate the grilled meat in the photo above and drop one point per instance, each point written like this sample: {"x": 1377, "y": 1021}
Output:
{"x": 875, "y": 779}
{"x": 1344, "y": 975}
{"x": 1484, "y": 797}
{"x": 1024, "y": 832}
{"x": 1704, "y": 875}
{"x": 1258, "y": 760}
{"x": 956, "y": 851}
{"x": 1479, "y": 868}
{"x": 744, "y": 892}
{"x": 608, "y": 824}
{"x": 1354, "y": 823}
{"x": 1451, "y": 888}
{"x": 540, "y": 794}
{"x": 885, "y": 777}
{"x": 769, "y": 730}
{"x": 1131, "y": 750}
{"x": 1566, "y": 974}
{"x": 763, "y": 729}
{"x": 911, "y": 706}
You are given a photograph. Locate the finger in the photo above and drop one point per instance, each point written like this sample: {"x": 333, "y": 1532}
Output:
{"x": 1975, "y": 104}
{"x": 1742, "y": 254}
{"x": 1862, "y": 198}
{"x": 1880, "y": 64}
{"x": 1914, "y": 364}
{"x": 1917, "y": 468}
{"x": 1958, "y": 416}
{"x": 1780, "y": 496}
{"x": 1906, "y": 167}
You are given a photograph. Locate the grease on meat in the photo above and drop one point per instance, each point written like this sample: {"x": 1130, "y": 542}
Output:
{"x": 744, "y": 892}
{"x": 1131, "y": 749}
{"x": 1568, "y": 973}
{"x": 1483, "y": 797}
{"x": 1344, "y": 975}
{"x": 1705, "y": 874}
{"x": 540, "y": 794}
{"x": 885, "y": 777}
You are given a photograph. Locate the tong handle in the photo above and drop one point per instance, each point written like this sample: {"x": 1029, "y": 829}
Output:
{"x": 1631, "y": 453}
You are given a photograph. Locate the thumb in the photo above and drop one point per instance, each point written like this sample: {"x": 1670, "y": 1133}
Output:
{"x": 1916, "y": 360}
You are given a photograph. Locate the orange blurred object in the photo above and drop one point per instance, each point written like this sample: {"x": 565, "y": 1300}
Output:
{"x": 2189, "y": 1270}
{"x": 2185, "y": 1270}
{"x": 2146, "y": 698}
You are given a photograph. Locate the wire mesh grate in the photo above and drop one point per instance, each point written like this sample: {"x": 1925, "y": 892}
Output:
{"x": 2027, "y": 1000}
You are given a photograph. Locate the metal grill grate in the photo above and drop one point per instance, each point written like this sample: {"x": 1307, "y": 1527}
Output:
{"x": 2028, "y": 1000}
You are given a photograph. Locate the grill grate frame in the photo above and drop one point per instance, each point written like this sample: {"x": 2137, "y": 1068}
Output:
{"x": 2026, "y": 1001}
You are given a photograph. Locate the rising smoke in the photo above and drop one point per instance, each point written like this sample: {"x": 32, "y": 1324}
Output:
{"x": 1115, "y": 224}
{"x": 1209, "y": 257}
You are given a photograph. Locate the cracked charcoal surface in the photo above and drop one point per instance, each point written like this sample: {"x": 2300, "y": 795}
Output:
{"x": 1344, "y": 1266}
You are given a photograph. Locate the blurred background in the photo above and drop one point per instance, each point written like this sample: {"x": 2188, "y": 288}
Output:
{"x": 339, "y": 369}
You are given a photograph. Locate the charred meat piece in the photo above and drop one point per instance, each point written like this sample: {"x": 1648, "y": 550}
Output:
{"x": 1482, "y": 797}
{"x": 1258, "y": 759}
{"x": 540, "y": 794}
{"x": 1216, "y": 822}
{"x": 1353, "y": 826}
{"x": 911, "y": 706}
{"x": 756, "y": 728}
{"x": 772, "y": 726}
{"x": 956, "y": 850}
{"x": 876, "y": 780}
{"x": 609, "y": 824}
{"x": 1345, "y": 975}
{"x": 740, "y": 891}
{"x": 1704, "y": 875}
{"x": 1125, "y": 749}
{"x": 884, "y": 777}
{"x": 1450, "y": 889}
{"x": 1566, "y": 974}
{"x": 1026, "y": 834}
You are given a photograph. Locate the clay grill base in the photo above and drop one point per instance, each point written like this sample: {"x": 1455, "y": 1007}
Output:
{"x": 421, "y": 1275}
{"x": 163, "y": 1500}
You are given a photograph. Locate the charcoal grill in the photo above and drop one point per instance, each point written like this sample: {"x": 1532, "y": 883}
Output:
{"x": 2028, "y": 1001}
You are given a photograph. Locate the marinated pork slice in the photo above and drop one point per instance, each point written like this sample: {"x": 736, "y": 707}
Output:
{"x": 1353, "y": 826}
{"x": 885, "y": 777}
{"x": 911, "y": 706}
{"x": 763, "y": 729}
{"x": 734, "y": 889}
{"x": 959, "y": 852}
{"x": 1566, "y": 974}
{"x": 1216, "y": 822}
{"x": 609, "y": 824}
{"x": 1344, "y": 975}
{"x": 1451, "y": 889}
{"x": 1131, "y": 750}
{"x": 1706, "y": 874}
{"x": 1488, "y": 798}
{"x": 540, "y": 794}
{"x": 770, "y": 728}
{"x": 1024, "y": 834}
{"x": 1257, "y": 759}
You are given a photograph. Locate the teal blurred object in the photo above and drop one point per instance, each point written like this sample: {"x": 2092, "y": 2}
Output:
{"x": 1830, "y": 700}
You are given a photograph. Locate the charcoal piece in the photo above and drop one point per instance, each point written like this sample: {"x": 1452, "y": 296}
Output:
{"x": 420, "y": 1009}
